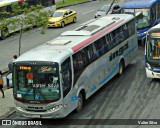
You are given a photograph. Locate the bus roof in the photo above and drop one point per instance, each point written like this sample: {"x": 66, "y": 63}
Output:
{"x": 7, "y": 2}
{"x": 139, "y": 3}
{"x": 70, "y": 42}
{"x": 155, "y": 28}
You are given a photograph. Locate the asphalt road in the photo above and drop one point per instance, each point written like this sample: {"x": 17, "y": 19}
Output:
{"x": 132, "y": 96}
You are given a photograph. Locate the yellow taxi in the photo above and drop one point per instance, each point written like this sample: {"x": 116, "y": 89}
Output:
{"x": 62, "y": 17}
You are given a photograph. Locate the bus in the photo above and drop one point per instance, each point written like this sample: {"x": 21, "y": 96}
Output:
{"x": 146, "y": 14}
{"x": 55, "y": 78}
{"x": 6, "y": 7}
{"x": 152, "y": 52}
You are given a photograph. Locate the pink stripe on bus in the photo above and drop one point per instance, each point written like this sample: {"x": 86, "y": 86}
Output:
{"x": 89, "y": 40}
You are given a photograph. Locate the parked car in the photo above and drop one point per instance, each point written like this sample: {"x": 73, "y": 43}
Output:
{"x": 104, "y": 9}
{"x": 62, "y": 17}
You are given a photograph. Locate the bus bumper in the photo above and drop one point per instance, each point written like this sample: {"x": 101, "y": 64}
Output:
{"x": 47, "y": 114}
{"x": 152, "y": 74}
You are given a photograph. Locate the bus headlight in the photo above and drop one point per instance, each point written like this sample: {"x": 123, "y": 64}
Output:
{"x": 149, "y": 66}
{"x": 145, "y": 32}
{"x": 20, "y": 107}
{"x": 54, "y": 108}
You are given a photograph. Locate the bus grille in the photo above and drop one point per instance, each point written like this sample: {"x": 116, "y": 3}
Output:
{"x": 36, "y": 110}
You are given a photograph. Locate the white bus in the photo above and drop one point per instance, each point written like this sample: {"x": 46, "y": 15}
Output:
{"x": 152, "y": 52}
{"x": 6, "y": 7}
{"x": 55, "y": 78}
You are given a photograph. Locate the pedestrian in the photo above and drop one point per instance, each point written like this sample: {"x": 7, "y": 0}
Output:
{"x": 14, "y": 57}
{"x": 1, "y": 84}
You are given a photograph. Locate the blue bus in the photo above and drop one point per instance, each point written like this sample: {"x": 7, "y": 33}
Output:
{"x": 146, "y": 12}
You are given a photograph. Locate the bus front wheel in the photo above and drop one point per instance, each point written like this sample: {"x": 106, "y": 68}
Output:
{"x": 79, "y": 103}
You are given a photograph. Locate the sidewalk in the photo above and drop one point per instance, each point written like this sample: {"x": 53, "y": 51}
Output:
{"x": 7, "y": 103}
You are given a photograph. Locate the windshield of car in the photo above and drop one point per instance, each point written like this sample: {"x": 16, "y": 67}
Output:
{"x": 104, "y": 8}
{"x": 57, "y": 14}
{"x": 154, "y": 46}
{"x": 40, "y": 83}
{"x": 142, "y": 17}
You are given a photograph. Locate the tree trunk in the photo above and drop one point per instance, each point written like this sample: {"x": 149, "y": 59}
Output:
{"x": 20, "y": 38}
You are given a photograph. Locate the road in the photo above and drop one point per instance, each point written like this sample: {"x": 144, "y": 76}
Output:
{"x": 132, "y": 96}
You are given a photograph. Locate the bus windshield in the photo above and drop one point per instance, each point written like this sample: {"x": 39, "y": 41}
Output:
{"x": 154, "y": 46}
{"x": 142, "y": 17}
{"x": 40, "y": 83}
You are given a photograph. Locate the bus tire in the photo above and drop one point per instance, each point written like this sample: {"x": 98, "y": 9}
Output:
{"x": 4, "y": 33}
{"x": 79, "y": 103}
{"x": 74, "y": 20}
{"x": 121, "y": 68}
{"x": 62, "y": 24}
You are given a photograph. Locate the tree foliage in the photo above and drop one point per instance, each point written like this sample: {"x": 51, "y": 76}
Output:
{"x": 21, "y": 17}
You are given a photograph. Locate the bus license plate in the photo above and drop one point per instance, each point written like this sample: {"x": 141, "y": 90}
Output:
{"x": 36, "y": 116}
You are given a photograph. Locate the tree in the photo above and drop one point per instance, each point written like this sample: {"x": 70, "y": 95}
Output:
{"x": 23, "y": 17}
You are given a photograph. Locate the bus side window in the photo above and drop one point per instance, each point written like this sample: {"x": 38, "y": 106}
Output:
{"x": 107, "y": 45}
{"x": 158, "y": 13}
{"x": 131, "y": 28}
{"x": 100, "y": 44}
{"x": 125, "y": 31}
{"x": 80, "y": 61}
{"x": 66, "y": 76}
{"x": 153, "y": 11}
{"x": 92, "y": 53}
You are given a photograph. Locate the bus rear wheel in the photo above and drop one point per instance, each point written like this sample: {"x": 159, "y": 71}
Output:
{"x": 79, "y": 103}
{"x": 121, "y": 68}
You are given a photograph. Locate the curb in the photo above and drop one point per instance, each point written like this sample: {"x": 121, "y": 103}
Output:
{"x": 76, "y": 4}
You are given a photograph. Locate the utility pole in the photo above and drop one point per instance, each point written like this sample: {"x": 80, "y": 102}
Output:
{"x": 110, "y": 6}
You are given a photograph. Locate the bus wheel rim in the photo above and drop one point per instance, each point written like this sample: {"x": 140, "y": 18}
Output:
{"x": 120, "y": 69}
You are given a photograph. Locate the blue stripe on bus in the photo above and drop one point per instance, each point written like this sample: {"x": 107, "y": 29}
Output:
{"x": 93, "y": 88}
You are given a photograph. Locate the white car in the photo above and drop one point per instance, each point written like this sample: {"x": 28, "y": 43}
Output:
{"x": 104, "y": 9}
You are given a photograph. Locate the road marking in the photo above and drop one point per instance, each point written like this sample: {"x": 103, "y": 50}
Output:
{"x": 88, "y": 11}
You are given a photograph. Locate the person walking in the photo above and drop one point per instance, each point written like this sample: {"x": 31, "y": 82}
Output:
{"x": 1, "y": 84}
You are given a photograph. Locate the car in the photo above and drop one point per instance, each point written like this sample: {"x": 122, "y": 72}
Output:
{"x": 60, "y": 18}
{"x": 115, "y": 8}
